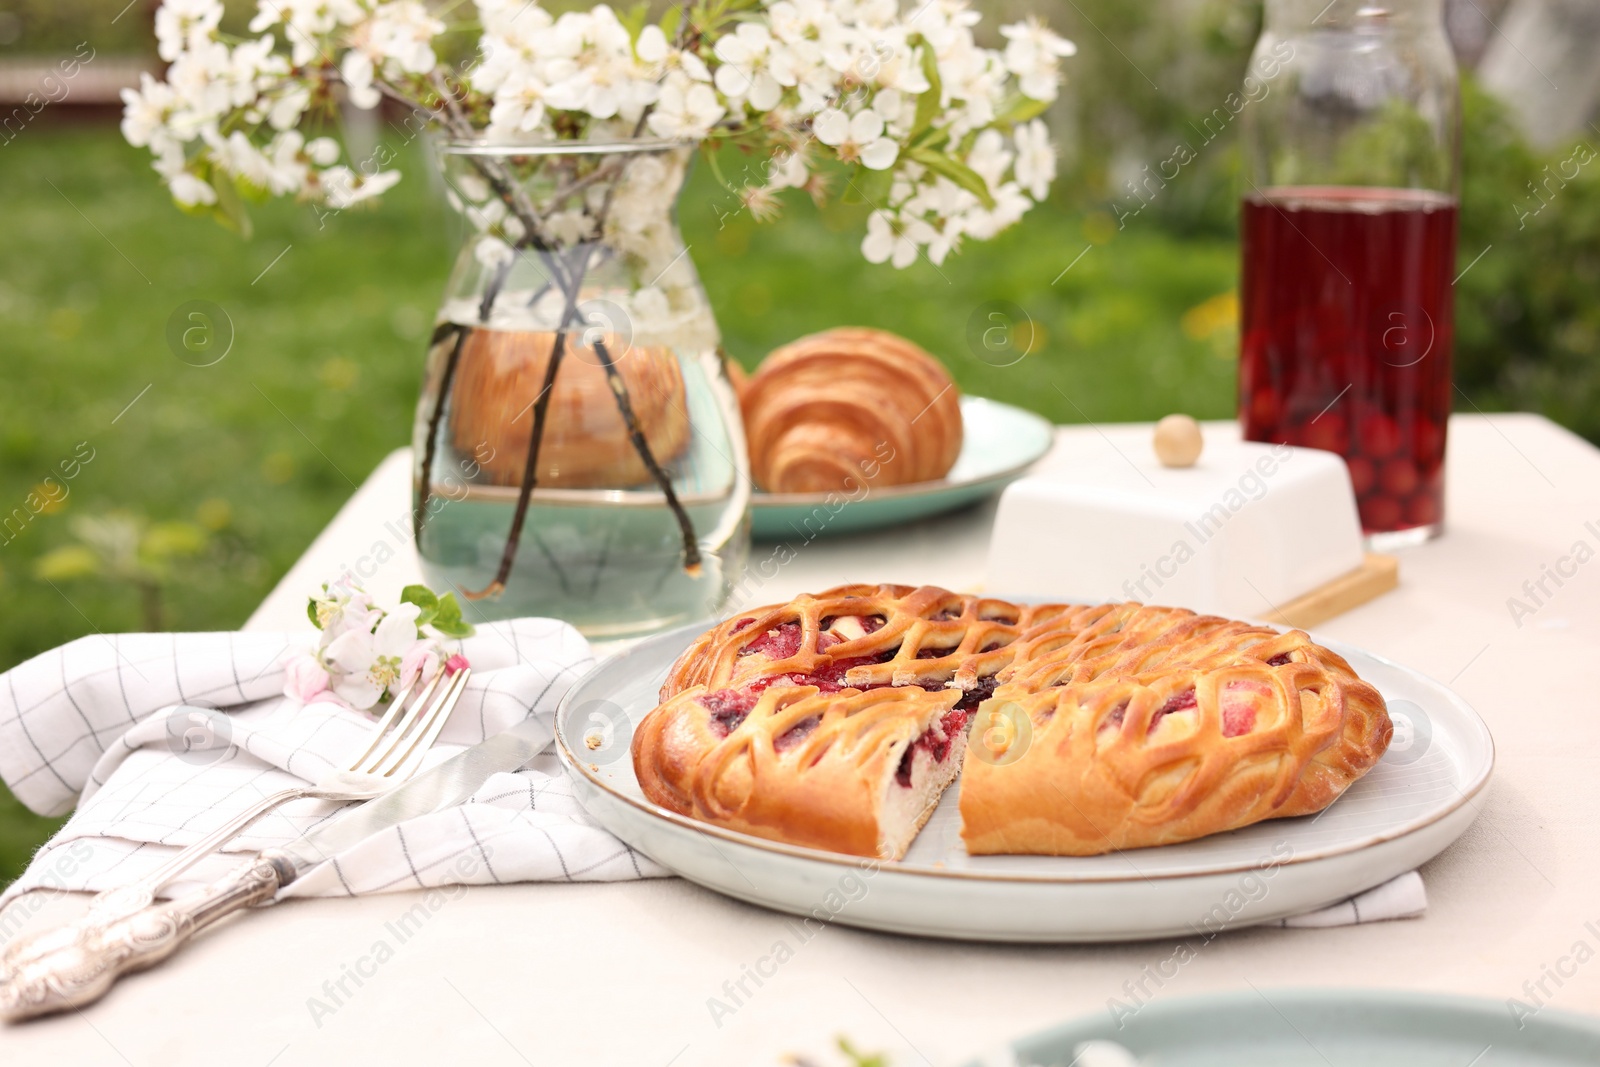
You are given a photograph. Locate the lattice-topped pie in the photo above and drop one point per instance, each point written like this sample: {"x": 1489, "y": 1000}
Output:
{"x": 836, "y": 721}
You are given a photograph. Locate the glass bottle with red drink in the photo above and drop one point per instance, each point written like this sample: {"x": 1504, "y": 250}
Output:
{"x": 1348, "y": 232}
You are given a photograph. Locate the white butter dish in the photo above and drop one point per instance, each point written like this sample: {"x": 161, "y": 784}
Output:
{"x": 1249, "y": 527}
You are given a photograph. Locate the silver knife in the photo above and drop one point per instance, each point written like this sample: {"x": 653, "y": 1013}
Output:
{"x": 73, "y": 965}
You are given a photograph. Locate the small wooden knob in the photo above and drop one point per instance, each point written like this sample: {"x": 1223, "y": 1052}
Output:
{"x": 1178, "y": 442}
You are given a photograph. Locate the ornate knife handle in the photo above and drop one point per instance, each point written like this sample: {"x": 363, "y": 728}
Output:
{"x": 73, "y": 965}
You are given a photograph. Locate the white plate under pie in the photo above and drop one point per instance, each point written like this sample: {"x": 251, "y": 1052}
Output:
{"x": 1420, "y": 797}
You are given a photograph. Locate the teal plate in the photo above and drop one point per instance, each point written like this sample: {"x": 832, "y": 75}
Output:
{"x": 1312, "y": 1028}
{"x": 999, "y": 443}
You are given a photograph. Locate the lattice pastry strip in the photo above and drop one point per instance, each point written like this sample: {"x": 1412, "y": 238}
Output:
{"x": 859, "y": 636}
{"x": 1082, "y": 644}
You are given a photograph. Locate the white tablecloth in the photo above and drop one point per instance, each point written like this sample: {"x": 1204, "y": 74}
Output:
{"x": 624, "y": 974}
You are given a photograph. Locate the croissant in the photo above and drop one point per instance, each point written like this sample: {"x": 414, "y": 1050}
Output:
{"x": 500, "y": 373}
{"x": 836, "y": 721}
{"x": 849, "y": 407}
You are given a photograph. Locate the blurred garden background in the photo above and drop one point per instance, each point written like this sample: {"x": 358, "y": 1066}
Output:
{"x": 195, "y": 487}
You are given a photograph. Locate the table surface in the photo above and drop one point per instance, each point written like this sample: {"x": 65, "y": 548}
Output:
{"x": 622, "y": 973}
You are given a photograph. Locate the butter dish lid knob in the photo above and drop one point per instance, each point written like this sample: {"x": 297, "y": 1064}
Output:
{"x": 1178, "y": 441}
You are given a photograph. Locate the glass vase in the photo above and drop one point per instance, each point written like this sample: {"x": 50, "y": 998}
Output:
{"x": 578, "y": 450}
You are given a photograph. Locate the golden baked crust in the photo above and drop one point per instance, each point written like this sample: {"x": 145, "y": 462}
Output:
{"x": 850, "y": 407}
{"x": 1109, "y": 726}
{"x": 1125, "y": 726}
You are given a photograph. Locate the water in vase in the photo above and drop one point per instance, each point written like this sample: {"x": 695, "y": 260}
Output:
{"x": 637, "y": 404}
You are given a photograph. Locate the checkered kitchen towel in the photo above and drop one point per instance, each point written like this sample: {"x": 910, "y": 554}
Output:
{"x": 110, "y": 724}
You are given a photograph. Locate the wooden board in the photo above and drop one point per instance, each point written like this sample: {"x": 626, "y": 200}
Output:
{"x": 1377, "y": 575}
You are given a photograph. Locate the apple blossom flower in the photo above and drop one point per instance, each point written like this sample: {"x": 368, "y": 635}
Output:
{"x": 179, "y": 23}
{"x": 368, "y": 664}
{"x": 402, "y": 33}
{"x": 1032, "y": 54}
{"x": 857, "y": 138}
{"x": 146, "y": 111}
{"x": 366, "y": 655}
{"x": 342, "y": 607}
{"x": 686, "y": 110}
{"x": 519, "y": 105}
{"x": 754, "y": 67}
{"x": 893, "y": 240}
{"x": 304, "y": 678}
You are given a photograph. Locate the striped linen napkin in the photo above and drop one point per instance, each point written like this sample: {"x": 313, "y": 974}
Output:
{"x": 116, "y": 726}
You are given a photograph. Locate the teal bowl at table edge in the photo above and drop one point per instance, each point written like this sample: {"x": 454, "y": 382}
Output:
{"x": 1315, "y": 1027}
{"x": 1000, "y": 442}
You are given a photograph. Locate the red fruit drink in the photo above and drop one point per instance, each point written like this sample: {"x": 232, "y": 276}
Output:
{"x": 1346, "y": 338}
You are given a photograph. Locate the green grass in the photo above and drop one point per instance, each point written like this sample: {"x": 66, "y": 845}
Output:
{"x": 321, "y": 379}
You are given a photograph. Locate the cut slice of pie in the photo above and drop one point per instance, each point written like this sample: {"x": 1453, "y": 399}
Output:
{"x": 835, "y": 721}
{"x": 847, "y": 771}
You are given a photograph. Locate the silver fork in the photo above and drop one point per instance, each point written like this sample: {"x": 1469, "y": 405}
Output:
{"x": 403, "y": 736}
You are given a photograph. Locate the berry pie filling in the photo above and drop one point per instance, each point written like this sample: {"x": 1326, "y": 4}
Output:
{"x": 730, "y": 707}
{"x": 936, "y": 740}
{"x": 1114, "y": 720}
{"x": 1184, "y": 701}
{"x": 1239, "y": 702}
{"x": 797, "y": 733}
{"x": 780, "y": 642}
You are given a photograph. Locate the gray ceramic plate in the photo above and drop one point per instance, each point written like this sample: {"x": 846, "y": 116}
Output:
{"x": 1313, "y": 1028}
{"x": 1000, "y": 443}
{"x": 1423, "y": 794}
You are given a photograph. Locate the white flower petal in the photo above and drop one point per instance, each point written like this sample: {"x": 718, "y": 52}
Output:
{"x": 652, "y": 45}
{"x": 350, "y": 652}
{"x": 732, "y": 81}
{"x": 831, "y": 127}
{"x": 765, "y": 92}
{"x": 905, "y": 253}
{"x": 880, "y": 154}
{"x": 878, "y": 245}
